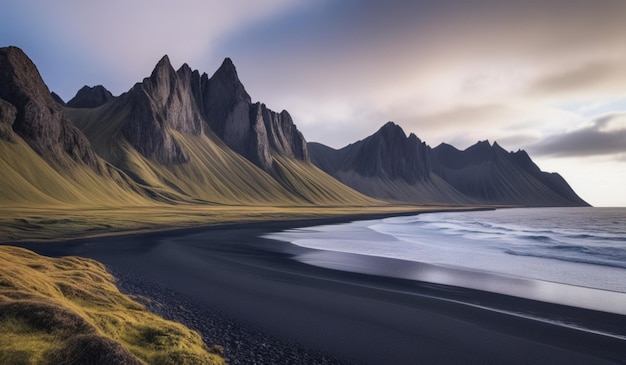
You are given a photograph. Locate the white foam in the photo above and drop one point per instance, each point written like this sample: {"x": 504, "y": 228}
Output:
{"x": 513, "y": 242}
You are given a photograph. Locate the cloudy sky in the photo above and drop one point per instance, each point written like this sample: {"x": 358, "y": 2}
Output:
{"x": 546, "y": 76}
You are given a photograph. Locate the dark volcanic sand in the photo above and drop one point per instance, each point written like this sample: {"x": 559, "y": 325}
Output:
{"x": 249, "y": 295}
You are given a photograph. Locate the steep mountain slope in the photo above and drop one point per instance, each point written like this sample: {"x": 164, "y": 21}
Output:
{"x": 490, "y": 174}
{"x": 200, "y": 139}
{"x": 252, "y": 130}
{"x": 39, "y": 120}
{"x": 313, "y": 185}
{"x": 57, "y": 98}
{"x": 89, "y": 97}
{"x": 156, "y": 107}
{"x": 28, "y": 180}
{"x": 387, "y": 165}
{"x": 44, "y": 158}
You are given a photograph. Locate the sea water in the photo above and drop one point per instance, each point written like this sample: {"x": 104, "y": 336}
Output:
{"x": 571, "y": 255}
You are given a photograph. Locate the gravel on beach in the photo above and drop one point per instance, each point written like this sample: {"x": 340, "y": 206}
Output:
{"x": 242, "y": 344}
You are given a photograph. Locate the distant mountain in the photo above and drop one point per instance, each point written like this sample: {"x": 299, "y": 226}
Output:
{"x": 389, "y": 165}
{"x": 492, "y": 175}
{"x": 90, "y": 97}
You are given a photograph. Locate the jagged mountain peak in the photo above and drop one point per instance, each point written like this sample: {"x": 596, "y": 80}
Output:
{"x": 90, "y": 97}
{"x": 481, "y": 150}
{"x": 164, "y": 102}
{"x": 185, "y": 70}
{"x": 487, "y": 172}
{"x": 227, "y": 79}
{"x": 389, "y": 154}
{"x": 387, "y": 165}
{"x": 393, "y": 132}
{"x": 227, "y": 67}
{"x": 164, "y": 62}
{"x": 390, "y": 124}
{"x": 188, "y": 102}
{"x": 413, "y": 136}
{"x": 391, "y": 129}
{"x": 163, "y": 71}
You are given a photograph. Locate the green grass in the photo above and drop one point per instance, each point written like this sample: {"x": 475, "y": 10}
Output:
{"x": 27, "y": 180}
{"x": 68, "y": 310}
{"x": 55, "y": 223}
{"x": 314, "y": 186}
{"x": 214, "y": 174}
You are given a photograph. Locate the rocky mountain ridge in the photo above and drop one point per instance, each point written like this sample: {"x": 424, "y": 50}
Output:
{"x": 481, "y": 174}
{"x": 157, "y": 106}
{"x": 489, "y": 173}
{"x": 186, "y": 102}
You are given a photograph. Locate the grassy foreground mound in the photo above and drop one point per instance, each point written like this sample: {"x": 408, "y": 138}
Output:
{"x": 68, "y": 311}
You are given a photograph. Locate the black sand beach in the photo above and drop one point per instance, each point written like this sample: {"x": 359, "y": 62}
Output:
{"x": 267, "y": 308}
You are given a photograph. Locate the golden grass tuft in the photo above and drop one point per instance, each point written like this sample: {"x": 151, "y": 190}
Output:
{"x": 68, "y": 311}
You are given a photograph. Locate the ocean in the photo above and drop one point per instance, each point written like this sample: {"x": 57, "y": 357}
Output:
{"x": 571, "y": 256}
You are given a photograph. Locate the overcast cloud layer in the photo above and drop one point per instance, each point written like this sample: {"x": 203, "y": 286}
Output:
{"x": 548, "y": 76}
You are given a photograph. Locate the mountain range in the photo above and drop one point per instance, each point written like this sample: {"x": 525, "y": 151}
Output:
{"x": 182, "y": 136}
{"x": 391, "y": 166}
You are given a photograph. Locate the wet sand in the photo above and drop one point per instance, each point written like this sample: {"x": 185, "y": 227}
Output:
{"x": 337, "y": 316}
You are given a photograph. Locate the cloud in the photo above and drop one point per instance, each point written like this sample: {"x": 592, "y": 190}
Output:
{"x": 453, "y": 67}
{"x": 605, "y": 136}
{"x": 599, "y": 78}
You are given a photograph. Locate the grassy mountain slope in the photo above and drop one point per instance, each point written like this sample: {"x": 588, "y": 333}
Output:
{"x": 68, "y": 310}
{"x": 214, "y": 173}
{"x": 315, "y": 186}
{"x": 28, "y": 180}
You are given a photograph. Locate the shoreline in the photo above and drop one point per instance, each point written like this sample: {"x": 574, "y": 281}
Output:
{"x": 480, "y": 279}
{"x": 348, "y": 317}
{"x": 305, "y": 218}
